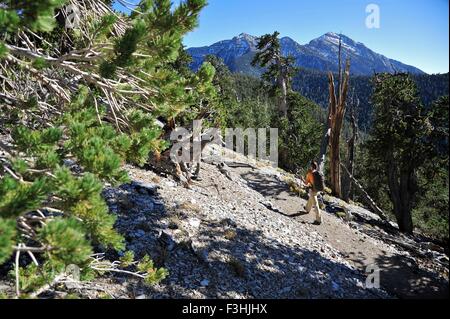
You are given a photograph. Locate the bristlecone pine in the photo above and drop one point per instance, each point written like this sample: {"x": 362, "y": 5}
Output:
{"x": 77, "y": 101}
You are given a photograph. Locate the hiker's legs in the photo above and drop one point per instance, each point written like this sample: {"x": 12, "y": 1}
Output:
{"x": 313, "y": 203}
{"x": 317, "y": 208}
{"x": 185, "y": 169}
{"x": 310, "y": 202}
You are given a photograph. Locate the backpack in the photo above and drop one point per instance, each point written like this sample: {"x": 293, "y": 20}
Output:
{"x": 319, "y": 181}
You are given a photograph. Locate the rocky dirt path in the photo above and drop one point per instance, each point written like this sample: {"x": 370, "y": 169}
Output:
{"x": 245, "y": 236}
{"x": 399, "y": 274}
{"x": 219, "y": 240}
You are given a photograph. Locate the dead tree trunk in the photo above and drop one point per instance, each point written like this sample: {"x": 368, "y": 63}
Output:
{"x": 283, "y": 87}
{"x": 369, "y": 201}
{"x": 325, "y": 143}
{"x": 351, "y": 144}
{"x": 337, "y": 112}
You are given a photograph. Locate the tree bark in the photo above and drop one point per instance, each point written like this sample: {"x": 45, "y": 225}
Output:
{"x": 283, "y": 99}
{"x": 325, "y": 143}
{"x": 282, "y": 85}
{"x": 351, "y": 144}
{"x": 337, "y": 109}
{"x": 407, "y": 187}
{"x": 400, "y": 189}
{"x": 336, "y": 112}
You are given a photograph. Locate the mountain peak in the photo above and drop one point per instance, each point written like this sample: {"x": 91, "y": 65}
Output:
{"x": 331, "y": 35}
{"x": 287, "y": 39}
{"x": 334, "y": 38}
{"x": 246, "y": 36}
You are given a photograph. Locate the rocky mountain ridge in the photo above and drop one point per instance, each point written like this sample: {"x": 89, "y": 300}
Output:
{"x": 319, "y": 54}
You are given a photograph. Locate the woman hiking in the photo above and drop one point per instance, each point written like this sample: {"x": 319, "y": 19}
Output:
{"x": 314, "y": 181}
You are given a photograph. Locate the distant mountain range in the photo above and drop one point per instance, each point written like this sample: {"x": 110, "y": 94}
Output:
{"x": 320, "y": 54}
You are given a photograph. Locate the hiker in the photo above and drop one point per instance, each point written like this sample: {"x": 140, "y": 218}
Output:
{"x": 314, "y": 181}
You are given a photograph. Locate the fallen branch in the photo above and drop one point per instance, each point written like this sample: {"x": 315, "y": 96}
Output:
{"x": 377, "y": 210}
{"x": 16, "y": 266}
{"x": 48, "y": 286}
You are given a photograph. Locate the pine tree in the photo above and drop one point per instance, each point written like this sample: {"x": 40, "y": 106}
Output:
{"x": 47, "y": 208}
{"x": 398, "y": 141}
{"x": 280, "y": 69}
{"x": 89, "y": 97}
{"x": 299, "y": 138}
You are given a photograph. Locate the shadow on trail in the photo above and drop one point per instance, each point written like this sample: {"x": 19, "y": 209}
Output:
{"x": 407, "y": 281}
{"x": 254, "y": 266}
{"x": 264, "y": 184}
{"x": 247, "y": 265}
{"x": 399, "y": 275}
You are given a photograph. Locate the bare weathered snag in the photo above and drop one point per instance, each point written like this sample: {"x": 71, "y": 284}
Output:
{"x": 325, "y": 143}
{"x": 336, "y": 112}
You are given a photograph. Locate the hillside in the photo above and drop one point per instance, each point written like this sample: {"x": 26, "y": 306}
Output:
{"x": 248, "y": 238}
{"x": 314, "y": 85}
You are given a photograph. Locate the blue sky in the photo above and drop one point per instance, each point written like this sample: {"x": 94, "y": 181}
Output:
{"x": 415, "y": 32}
